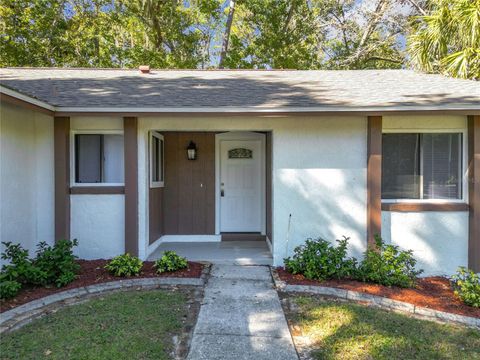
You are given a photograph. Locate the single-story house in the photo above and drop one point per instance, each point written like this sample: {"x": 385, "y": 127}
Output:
{"x": 125, "y": 160}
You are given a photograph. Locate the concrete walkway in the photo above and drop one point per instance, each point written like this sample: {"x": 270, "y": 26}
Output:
{"x": 241, "y": 317}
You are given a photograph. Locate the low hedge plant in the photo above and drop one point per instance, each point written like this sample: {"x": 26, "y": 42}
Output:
{"x": 52, "y": 265}
{"x": 318, "y": 259}
{"x": 169, "y": 262}
{"x": 388, "y": 265}
{"x": 124, "y": 265}
{"x": 382, "y": 264}
{"x": 466, "y": 285}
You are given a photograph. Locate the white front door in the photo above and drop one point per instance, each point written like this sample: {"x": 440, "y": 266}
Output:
{"x": 241, "y": 179}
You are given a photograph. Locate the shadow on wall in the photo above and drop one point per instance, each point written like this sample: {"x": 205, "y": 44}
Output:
{"x": 439, "y": 239}
{"x": 330, "y": 203}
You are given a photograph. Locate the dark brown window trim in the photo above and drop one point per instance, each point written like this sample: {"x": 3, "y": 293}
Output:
{"x": 130, "y": 136}
{"x": 97, "y": 190}
{"x": 61, "y": 126}
{"x": 474, "y": 192}
{"x": 374, "y": 178}
{"x": 418, "y": 207}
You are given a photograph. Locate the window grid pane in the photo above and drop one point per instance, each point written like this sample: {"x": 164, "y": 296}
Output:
{"x": 401, "y": 166}
{"x": 99, "y": 158}
{"x": 422, "y": 166}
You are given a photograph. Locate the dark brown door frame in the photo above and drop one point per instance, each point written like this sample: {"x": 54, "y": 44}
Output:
{"x": 374, "y": 178}
{"x": 474, "y": 192}
{"x": 130, "y": 129}
{"x": 61, "y": 126}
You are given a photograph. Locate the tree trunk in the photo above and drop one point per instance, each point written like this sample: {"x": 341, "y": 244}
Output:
{"x": 226, "y": 36}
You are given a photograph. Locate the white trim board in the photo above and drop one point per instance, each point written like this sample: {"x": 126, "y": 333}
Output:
{"x": 26, "y": 98}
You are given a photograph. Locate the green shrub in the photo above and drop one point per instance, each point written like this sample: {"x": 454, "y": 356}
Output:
{"x": 318, "y": 259}
{"x": 124, "y": 265}
{"x": 56, "y": 263}
{"x": 387, "y": 265}
{"x": 170, "y": 261}
{"x": 466, "y": 285}
{"x": 9, "y": 288}
{"x": 19, "y": 267}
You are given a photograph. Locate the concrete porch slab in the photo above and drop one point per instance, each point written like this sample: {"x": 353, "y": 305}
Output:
{"x": 223, "y": 252}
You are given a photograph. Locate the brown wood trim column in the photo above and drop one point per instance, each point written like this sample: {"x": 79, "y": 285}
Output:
{"x": 474, "y": 192}
{"x": 130, "y": 132}
{"x": 61, "y": 132}
{"x": 374, "y": 178}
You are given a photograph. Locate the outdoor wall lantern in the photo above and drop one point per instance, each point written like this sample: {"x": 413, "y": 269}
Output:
{"x": 192, "y": 151}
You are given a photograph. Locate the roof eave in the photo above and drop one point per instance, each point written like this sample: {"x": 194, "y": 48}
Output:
{"x": 16, "y": 97}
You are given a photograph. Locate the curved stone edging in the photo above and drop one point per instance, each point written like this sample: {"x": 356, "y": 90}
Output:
{"x": 25, "y": 313}
{"x": 378, "y": 301}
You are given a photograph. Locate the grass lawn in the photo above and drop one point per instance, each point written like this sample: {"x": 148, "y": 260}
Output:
{"x": 126, "y": 325}
{"x": 339, "y": 330}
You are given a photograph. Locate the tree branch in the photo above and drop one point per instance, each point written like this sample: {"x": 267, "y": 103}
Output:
{"x": 418, "y": 7}
{"x": 395, "y": 61}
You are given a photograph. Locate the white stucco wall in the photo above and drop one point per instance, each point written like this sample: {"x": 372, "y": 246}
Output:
{"x": 319, "y": 174}
{"x": 439, "y": 239}
{"x": 97, "y": 221}
{"x": 98, "y": 225}
{"x": 26, "y": 177}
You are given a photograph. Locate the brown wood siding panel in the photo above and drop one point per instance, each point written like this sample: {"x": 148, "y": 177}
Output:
{"x": 189, "y": 193}
{"x": 130, "y": 128}
{"x": 268, "y": 177}
{"x": 97, "y": 190}
{"x": 474, "y": 192}
{"x": 62, "y": 177}
{"x": 374, "y": 178}
{"x": 185, "y": 183}
{"x": 155, "y": 217}
{"x": 415, "y": 207}
{"x": 170, "y": 215}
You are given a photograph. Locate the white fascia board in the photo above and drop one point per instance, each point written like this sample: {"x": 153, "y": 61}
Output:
{"x": 260, "y": 110}
{"x": 33, "y": 101}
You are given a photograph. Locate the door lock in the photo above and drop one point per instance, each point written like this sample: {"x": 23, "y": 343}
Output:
{"x": 222, "y": 191}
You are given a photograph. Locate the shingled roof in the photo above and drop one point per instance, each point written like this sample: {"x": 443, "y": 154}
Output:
{"x": 196, "y": 90}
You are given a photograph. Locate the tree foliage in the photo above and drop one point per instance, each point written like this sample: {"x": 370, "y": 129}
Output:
{"x": 282, "y": 34}
{"x": 447, "y": 38}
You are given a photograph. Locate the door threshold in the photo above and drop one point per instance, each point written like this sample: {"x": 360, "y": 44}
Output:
{"x": 243, "y": 236}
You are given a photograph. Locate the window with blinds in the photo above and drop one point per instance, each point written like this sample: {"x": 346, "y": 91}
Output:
{"x": 422, "y": 166}
{"x": 99, "y": 158}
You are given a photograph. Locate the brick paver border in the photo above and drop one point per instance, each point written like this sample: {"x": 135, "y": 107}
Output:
{"x": 23, "y": 314}
{"x": 377, "y": 301}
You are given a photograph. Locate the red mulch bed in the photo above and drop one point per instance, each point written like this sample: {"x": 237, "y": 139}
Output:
{"x": 430, "y": 292}
{"x": 93, "y": 272}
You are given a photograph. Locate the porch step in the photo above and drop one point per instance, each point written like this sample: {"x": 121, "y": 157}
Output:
{"x": 243, "y": 237}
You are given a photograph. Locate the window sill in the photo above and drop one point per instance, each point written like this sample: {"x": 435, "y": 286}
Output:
{"x": 424, "y": 206}
{"x": 97, "y": 190}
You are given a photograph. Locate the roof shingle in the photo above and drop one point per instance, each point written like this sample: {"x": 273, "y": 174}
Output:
{"x": 363, "y": 89}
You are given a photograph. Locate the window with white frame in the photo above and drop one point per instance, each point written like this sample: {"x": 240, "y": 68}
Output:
{"x": 422, "y": 166}
{"x": 156, "y": 160}
{"x": 98, "y": 158}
